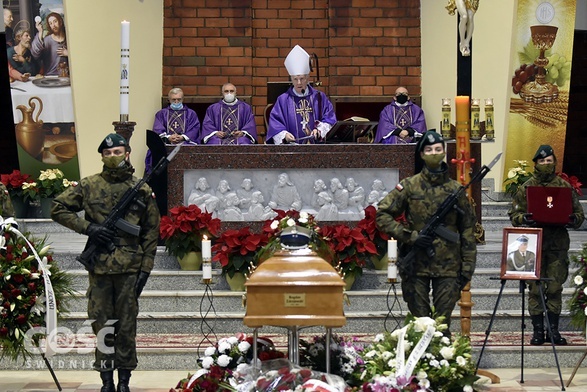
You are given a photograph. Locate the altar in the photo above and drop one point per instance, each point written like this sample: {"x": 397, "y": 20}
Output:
{"x": 202, "y": 174}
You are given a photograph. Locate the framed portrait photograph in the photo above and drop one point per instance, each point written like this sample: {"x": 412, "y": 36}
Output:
{"x": 521, "y": 253}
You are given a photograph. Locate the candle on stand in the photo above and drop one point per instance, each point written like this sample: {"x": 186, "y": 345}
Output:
{"x": 463, "y": 143}
{"x": 207, "y": 257}
{"x": 489, "y": 129}
{"x": 124, "y": 69}
{"x": 391, "y": 260}
{"x": 475, "y": 119}
{"x": 445, "y": 125}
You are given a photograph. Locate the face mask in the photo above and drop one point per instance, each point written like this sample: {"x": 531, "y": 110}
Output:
{"x": 401, "y": 99}
{"x": 114, "y": 161}
{"x": 546, "y": 168}
{"x": 229, "y": 98}
{"x": 177, "y": 106}
{"x": 433, "y": 161}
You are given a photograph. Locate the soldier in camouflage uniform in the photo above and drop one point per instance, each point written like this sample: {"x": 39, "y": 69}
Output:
{"x": 555, "y": 247}
{"x": 119, "y": 276}
{"x": 453, "y": 264}
{"x": 6, "y": 208}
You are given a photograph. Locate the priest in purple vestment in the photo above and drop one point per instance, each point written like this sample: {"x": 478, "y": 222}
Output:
{"x": 302, "y": 114}
{"x": 175, "y": 124}
{"x": 401, "y": 121}
{"x": 229, "y": 121}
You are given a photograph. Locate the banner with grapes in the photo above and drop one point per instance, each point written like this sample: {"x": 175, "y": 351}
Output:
{"x": 542, "y": 50}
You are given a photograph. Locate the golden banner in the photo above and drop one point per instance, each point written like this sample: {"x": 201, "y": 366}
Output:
{"x": 541, "y": 69}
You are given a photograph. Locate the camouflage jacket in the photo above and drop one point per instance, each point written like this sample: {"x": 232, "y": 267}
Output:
{"x": 418, "y": 197}
{"x": 553, "y": 237}
{"x": 97, "y": 195}
{"x": 6, "y": 208}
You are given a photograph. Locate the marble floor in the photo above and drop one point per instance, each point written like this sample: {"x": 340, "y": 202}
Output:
{"x": 145, "y": 381}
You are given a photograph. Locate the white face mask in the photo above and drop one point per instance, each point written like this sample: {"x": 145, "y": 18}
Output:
{"x": 229, "y": 98}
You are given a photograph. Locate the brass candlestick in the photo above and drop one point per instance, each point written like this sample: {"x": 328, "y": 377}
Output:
{"x": 475, "y": 113}
{"x": 489, "y": 130}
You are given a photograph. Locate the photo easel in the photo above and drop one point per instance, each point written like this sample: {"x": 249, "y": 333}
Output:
{"x": 522, "y": 283}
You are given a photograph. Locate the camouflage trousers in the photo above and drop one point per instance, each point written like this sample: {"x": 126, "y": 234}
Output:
{"x": 113, "y": 309}
{"x": 445, "y": 294}
{"x": 555, "y": 265}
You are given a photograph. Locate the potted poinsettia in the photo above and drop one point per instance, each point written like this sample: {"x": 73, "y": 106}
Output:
{"x": 351, "y": 248}
{"x": 22, "y": 189}
{"x": 236, "y": 251}
{"x": 51, "y": 182}
{"x": 182, "y": 231}
{"x": 369, "y": 227}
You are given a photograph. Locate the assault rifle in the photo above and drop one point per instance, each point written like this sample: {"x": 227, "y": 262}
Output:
{"x": 115, "y": 220}
{"x": 435, "y": 225}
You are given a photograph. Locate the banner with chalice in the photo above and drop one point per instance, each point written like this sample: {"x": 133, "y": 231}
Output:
{"x": 541, "y": 67}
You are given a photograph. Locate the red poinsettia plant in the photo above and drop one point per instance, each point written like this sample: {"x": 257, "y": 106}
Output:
{"x": 574, "y": 181}
{"x": 369, "y": 227}
{"x": 20, "y": 185}
{"x": 350, "y": 246}
{"x": 236, "y": 250}
{"x": 183, "y": 229}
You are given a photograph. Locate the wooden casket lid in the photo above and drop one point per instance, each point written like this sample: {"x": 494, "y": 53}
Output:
{"x": 302, "y": 267}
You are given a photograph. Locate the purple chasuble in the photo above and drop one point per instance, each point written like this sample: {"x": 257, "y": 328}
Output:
{"x": 229, "y": 118}
{"x": 394, "y": 117}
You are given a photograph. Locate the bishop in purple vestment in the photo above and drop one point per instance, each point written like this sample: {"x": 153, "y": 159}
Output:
{"x": 175, "y": 124}
{"x": 401, "y": 121}
{"x": 302, "y": 114}
{"x": 229, "y": 121}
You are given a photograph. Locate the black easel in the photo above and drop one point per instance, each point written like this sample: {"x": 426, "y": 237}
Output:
{"x": 523, "y": 326}
{"x": 392, "y": 302}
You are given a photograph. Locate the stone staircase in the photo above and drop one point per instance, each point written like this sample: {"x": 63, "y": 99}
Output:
{"x": 174, "y": 301}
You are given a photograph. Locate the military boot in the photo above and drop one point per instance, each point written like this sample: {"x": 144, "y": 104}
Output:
{"x": 538, "y": 324}
{"x": 123, "y": 380}
{"x": 556, "y": 336}
{"x": 107, "y": 381}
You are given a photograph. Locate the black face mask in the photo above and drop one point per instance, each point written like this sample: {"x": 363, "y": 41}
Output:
{"x": 401, "y": 99}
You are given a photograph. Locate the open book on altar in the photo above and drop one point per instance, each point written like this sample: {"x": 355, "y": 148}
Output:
{"x": 349, "y": 130}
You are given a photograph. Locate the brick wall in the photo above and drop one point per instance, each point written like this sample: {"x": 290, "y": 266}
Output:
{"x": 365, "y": 47}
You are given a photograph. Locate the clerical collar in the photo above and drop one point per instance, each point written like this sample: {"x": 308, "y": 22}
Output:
{"x": 306, "y": 92}
{"x": 230, "y": 103}
{"x": 401, "y": 105}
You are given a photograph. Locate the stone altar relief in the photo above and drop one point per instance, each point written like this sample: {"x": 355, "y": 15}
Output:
{"x": 252, "y": 194}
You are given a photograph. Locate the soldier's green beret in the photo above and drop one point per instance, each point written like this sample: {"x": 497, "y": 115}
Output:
{"x": 543, "y": 151}
{"x": 429, "y": 138}
{"x": 111, "y": 141}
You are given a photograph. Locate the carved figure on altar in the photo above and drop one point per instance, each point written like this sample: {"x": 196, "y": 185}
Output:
{"x": 231, "y": 212}
{"x": 302, "y": 114}
{"x": 379, "y": 186}
{"x": 319, "y": 186}
{"x": 466, "y": 10}
{"x": 245, "y": 193}
{"x": 229, "y": 121}
{"x": 373, "y": 199}
{"x": 258, "y": 212}
{"x": 328, "y": 210}
{"x": 200, "y": 193}
{"x": 211, "y": 205}
{"x": 340, "y": 196}
{"x": 285, "y": 195}
{"x": 356, "y": 194}
{"x": 222, "y": 191}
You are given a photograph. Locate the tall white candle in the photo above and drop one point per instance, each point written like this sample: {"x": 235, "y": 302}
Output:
{"x": 207, "y": 270}
{"x": 124, "y": 68}
{"x": 206, "y": 248}
{"x": 391, "y": 271}
{"x": 392, "y": 249}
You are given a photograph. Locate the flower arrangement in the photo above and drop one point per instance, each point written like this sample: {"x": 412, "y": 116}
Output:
{"x": 20, "y": 185}
{"x": 22, "y": 292}
{"x": 236, "y": 250}
{"x": 578, "y": 302}
{"x": 517, "y": 175}
{"x": 184, "y": 228}
{"x": 574, "y": 181}
{"x": 440, "y": 366}
{"x": 52, "y": 182}
{"x": 345, "y": 356}
{"x": 220, "y": 363}
{"x": 350, "y": 246}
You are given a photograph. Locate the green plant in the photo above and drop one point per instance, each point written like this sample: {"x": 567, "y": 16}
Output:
{"x": 52, "y": 182}
{"x": 578, "y": 302}
{"x": 517, "y": 176}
